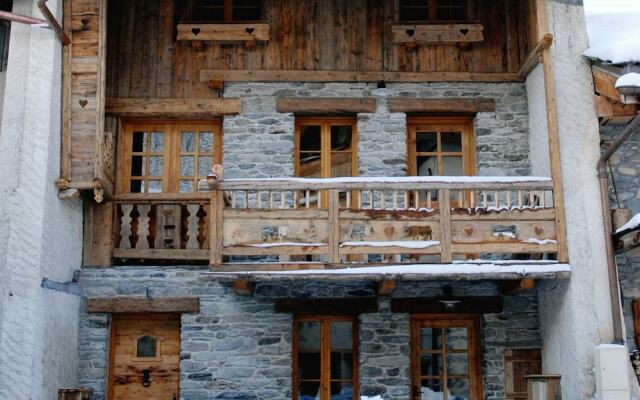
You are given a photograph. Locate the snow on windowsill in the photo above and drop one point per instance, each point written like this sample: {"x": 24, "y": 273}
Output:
{"x": 403, "y": 179}
{"x": 279, "y": 244}
{"x": 632, "y": 224}
{"x": 407, "y": 244}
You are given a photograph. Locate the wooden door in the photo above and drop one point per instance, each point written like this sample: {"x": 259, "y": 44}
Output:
{"x": 145, "y": 357}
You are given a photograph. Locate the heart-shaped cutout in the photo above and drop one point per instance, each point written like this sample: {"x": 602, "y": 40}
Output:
{"x": 464, "y": 31}
{"x": 539, "y": 231}
{"x": 468, "y": 231}
{"x": 249, "y": 30}
{"x": 85, "y": 21}
{"x": 83, "y": 103}
{"x": 410, "y": 32}
{"x": 389, "y": 230}
{"x": 195, "y": 31}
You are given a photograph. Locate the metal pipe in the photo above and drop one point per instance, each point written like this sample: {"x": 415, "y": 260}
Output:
{"x": 614, "y": 287}
{"x": 53, "y": 23}
{"x": 23, "y": 19}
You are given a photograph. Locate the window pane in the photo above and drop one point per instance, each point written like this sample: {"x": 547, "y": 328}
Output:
{"x": 155, "y": 186}
{"x": 457, "y": 338}
{"x": 156, "y": 165}
{"x": 341, "y": 365}
{"x": 309, "y": 335}
{"x": 138, "y": 166}
{"x": 206, "y": 142}
{"x": 451, "y": 141}
{"x": 431, "y": 364}
{"x": 309, "y": 366}
{"x": 310, "y": 166}
{"x": 309, "y": 390}
{"x": 451, "y": 10}
{"x": 457, "y": 364}
{"x": 138, "y": 142}
{"x": 414, "y": 10}
{"x": 209, "y": 10}
{"x": 187, "y": 165}
{"x": 341, "y": 391}
{"x": 188, "y": 142}
{"x": 452, "y": 166}
{"x": 136, "y": 187}
{"x": 432, "y": 389}
{"x": 310, "y": 138}
{"x": 426, "y": 142}
{"x": 246, "y": 10}
{"x": 186, "y": 186}
{"x": 342, "y": 335}
{"x": 458, "y": 389}
{"x": 431, "y": 338}
{"x": 157, "y": 142}
{"x": 341, "y": 138}
{"x": 146, "y": 347}
{"x": 204, "y": 165}
{"x": 427, "y": 166}
{"x": 341, "y": 165}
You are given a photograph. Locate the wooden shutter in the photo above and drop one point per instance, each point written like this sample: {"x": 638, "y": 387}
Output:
{"x": 87, "y": 150}
{"x": 519, "y": 363}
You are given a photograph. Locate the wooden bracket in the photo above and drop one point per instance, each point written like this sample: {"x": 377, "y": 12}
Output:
{"x": 243, "y": 287}
{"x": 387, "y": 287}
{"x": 518, "y": 286}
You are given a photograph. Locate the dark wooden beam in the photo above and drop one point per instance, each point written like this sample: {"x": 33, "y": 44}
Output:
{"x": 448, "y": 305}
{"x": 116, "y": 305}
{"x": 518, "y": 286}
{"x": 387, "y": 287}
{"x": 188, "y": 108}
{"x": 243, "y": 287}
{"x": 457, "y": 106}
{"x": 353, "y": 306}
{"x": 325, "y": 105}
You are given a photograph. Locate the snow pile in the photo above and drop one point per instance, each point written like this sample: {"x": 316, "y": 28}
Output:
{"x": 406, "y": 244}
{"x": 280, "y": 244}
{"x": 400, "y": 179}
{"x": 371, "y": 398}
{"x": 632, "y": 224}
{"x": 631, "y": 79}
{"x": 614, "y": 32}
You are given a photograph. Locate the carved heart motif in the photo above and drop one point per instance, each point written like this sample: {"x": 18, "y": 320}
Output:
{"x": 468, "y": 231}
{"x": 411, "y": 32}
{"x": 249, "y": 30}
{"x": 539, "y": 231}
{"x": 85, "y": 23}
{"x": 195, "y": 31}
{"x": 389, "y": 230}
{"x": 464, "y": 31}
{"x": 83, "y": 103}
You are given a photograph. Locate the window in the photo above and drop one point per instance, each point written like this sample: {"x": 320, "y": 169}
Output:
{"x": 146, "y": 347}
{"x": 167, "y": 157}
{"x": 223, "y": 10}
{"x": 446, "y": 360}
{"x": 433, "y": 10}
{"x": 325, "y": 359}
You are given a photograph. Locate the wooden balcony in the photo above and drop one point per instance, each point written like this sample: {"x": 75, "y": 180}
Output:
{"x": 308, "y": 224}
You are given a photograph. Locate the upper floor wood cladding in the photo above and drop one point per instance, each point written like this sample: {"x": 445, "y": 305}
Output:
{"x": 145, "y": 59}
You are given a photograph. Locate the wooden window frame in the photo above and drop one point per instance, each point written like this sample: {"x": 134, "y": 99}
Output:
{"x": 463, "y": 124}
{"x": 171, "y": 152}
{"x": 472, "y": 323}
{"x": 325, "y": 137}
{"x": 325, "y": 352}
{"x": 432, "y": 10}
{"x": 228, "y": 13}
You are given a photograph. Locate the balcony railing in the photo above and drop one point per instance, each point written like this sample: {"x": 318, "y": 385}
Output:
{"x": 289, "y": 223}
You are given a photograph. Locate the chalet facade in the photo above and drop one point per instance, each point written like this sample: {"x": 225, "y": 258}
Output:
{"x": 303, "y": 200}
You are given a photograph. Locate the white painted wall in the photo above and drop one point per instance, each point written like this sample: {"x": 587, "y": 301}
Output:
{"x": 41, "y": 236}
{"x": 575, "y": 315}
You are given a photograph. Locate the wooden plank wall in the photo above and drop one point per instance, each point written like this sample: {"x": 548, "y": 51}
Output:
{"x": 146, "y": 61}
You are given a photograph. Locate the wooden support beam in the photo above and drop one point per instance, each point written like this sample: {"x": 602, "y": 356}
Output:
{"x": 117, "y": 305}
{"x": 448, "y": 305}
{"x": 172, "y": 108}
{"x": 387, "y": 287}
{"x": 518, "y": 286}
{"x": 325, "y": 105}
{"x": 256, "y": 75}
{"x": 457, "y": 106}
{"x": 534, "y": 56}
{"x": 604, "y": 84}
{"x": 352, "y": 306}
{"x": 243, "y": 287}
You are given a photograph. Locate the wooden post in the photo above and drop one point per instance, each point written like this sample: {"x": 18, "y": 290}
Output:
{"x": 543, "y": 387}
{"x": 216, "y": 217}
{"x": 553, "y": 133}
{"x": 445, "y": 226}
{"x": 334, "y": 227}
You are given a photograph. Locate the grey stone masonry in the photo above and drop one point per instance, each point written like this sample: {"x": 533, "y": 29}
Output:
{"x": 259, "y": 141}
{"x": 238, "y": 347}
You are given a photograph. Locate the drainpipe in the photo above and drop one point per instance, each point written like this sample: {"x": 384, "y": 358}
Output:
{"x": 50, "y": 21}
{"x": 608, "y": 236}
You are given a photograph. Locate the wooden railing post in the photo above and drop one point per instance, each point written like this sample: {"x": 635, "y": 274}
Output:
{"x": 445, "y": 225}
{"x": 334, "y": 227}
{"x": 216, "y": 216}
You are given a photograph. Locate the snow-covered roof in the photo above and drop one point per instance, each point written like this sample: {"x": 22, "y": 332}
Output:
{"x": 632, "y": 79}
{"x": 614, "y": 30}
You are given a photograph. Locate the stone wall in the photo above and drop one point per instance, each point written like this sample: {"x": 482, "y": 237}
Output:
{"x": 237, "y": 347}
{"x": 259, "y": 141}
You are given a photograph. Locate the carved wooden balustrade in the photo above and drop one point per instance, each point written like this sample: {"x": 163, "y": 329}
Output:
{"x": 315, "y": 223}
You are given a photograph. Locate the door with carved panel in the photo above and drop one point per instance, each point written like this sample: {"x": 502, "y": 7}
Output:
{"x": 145, "y": 357}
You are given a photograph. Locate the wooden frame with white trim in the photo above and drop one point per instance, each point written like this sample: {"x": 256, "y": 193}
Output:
{"x": 325, "y": 380}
